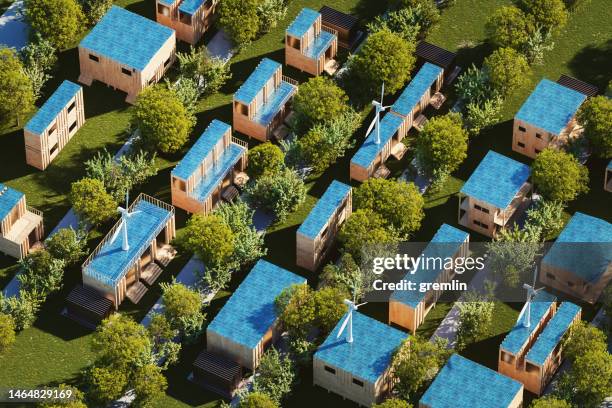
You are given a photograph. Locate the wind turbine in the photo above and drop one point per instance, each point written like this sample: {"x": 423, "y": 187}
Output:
{"x": 531, "y": 294}
{"x": 125, "y": 216}
{"x": 352, "y": 307}
{"x": 379, "y": 107}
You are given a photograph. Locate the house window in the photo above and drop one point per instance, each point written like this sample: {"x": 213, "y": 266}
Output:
{"x": 522, "y": 129}
{"x": 185, "y": 18}
{"x": 126, "y": 72}
{"x": 550, "y": 276}
{"x": 53, "y": 129}
{"x": 520, "y": 144}
{"x": 71, "y": 128}
{"x": 570, "y": 284}
{"x": 72, "y": 106}
{"x": 329, "y": 369}
{"x": 357, "y": 382}
{"x": 324, "y": 233}
{"x": 94, "y": 58}
{"x": 53, "y": 149}
{"x": 537, "y": 151}
{"x": 161, "y": 9}
{"x": 481, "y": 224}
{"x": 482, "y": 209}
{"x": 166, "y": 62}
{"x": 539, "y": 136}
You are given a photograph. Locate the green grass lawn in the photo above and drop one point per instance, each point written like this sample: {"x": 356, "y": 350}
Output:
{"x": 56, "y": 350}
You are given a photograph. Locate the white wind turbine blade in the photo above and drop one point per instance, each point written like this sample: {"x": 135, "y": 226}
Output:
{"x": 117, "y": 232}
{"x": 382, "y": 94}
{"x": 522, "y": 311}
{"x": 359, "y": 305}
{"x": 372, "y": 124}
{"x": 346, "y": 320}
{"x": 535, "y": 277}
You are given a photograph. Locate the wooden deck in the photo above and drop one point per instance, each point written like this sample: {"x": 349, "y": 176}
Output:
{"x": 150, "y": 274}
{"x": 136, "y": 292}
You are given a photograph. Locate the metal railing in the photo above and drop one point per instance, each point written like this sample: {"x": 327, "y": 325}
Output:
{"x": 329, "y": 30}
{"x": 240, "y": 142}
{"x": 34, "y": 211}
{"x": 290, "y": 80}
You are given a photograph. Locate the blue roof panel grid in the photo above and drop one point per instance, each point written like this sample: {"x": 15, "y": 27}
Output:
{"x": 444, "y": 244}
{"x": 553, "y": 333}
{"x": 550, "y": 106}
{"x": 52, "y": 107}
{"x": 168, "y": 2}
{"x": 9, "y": 197}
{"x": 496, "y": 180}
{"x": 324, "y": 209}
{"x": 463, "y": 383}
{"x": 250, "y": 312}
{"x": 216, "y": 173}
{"x": 112, "y": 262}
{"x": 610, "y": 165}
{"x": 127, "y": 38}
{"x": 583, "y": 248}
{"x": 256, "y": 81}
{"x": 368, "y": 151}
{"x": 415, "y": 90}
{"x": 302, "y": 23}
{"x": 201, "y": 149}
{"x": 191, "y": 6}
{"x": 274, "y": 103}
{"x": 518, "y": 336}
{"x": 320, "y": 44}
{"x": 371, "y": 352}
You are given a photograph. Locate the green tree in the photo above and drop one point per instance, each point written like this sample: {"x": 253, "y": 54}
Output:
{"x": 67, "y": 244}
{"x": 582, "y": 339}
{"x": 274, "y": 376}
{"x": 76, "y": 399}
{"x": 296, "y": 309}
{"x": 239, "y": 19}
{"x": 265, "y": 159}
{"x": 210, "y": 238}
{"x": 183, "y": 309}
{"x": 95, "y": 9}
{"x": 508, "y": 26}
{"x": 149, "y": 385}
{"x": 42, "y": 273}
{"x": 549, "y": 14}
{"x": 91, "y": 202}
{"x": 547, "y": 216}
{"x": 507, "y": 70}
{"x": 318, "y": 101}
{"x": 558, "y": 175}
{"x": 121, "y": 343}
{"x": 22, "y": 308}
{"x": 345, "y": 276}
{"x": 16, "y": 92}
{"x": 330, "y": 307}
{"x": 606, "y": 299}
{"x": 393, "y": 403}
{"x": 483, "y": 115}
{"x": 427, "y": 11}
{"x": 549, "y": 402}
{"x": 416, "y": 362}
{"x": 363, "y": 228}
{"x": 596, "y": 117}
{"x": 164, "y": 122}
{"x": 7, "y": 332}
{"x": 39, "y": 52}
{"x": 384, "y": 57}
{"x": 280, "y": 193}
{"x": 59, "y": 21}
{"x": 257, "y": 400}
{"x": 442, "y": 144}
{"x": 105, "y": 384}
{"x": 270, "y": 12}
{"x": 475, "y": 317}
{"x": 163, "y": 337}
{"x": 405, "y": 22}
{"x": 400, "y": 204}
{"x": 589, "y": 379}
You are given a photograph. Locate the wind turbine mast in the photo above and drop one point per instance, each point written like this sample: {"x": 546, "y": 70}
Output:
{"x": 531, "y": 294}
{"x": 378, "y": 109}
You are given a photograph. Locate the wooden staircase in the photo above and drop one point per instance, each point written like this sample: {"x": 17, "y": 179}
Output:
{"x": 136, "y": 292}
{"x": 150, "y": 274}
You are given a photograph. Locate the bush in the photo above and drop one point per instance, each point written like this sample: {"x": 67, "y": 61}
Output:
{"x": 280, "y": 193}
{"x": 239, "y": 19}
{"x": 59, "y": 21}
{"x": 473, "y": 86}
{"x": 475, "y": 317}
{"x": 257, "y": 400}
{"x": 549, "y": 14}
{"x": 42, "y": 273}
{"x": 442, "y": 144}
{"x": 274, "y": 376}
{"x": 296, "y": 310}
{"x": 7, "y": 332}
{"x": 549, "y": 402}
{"x": 405, "y": 22}
{"x": 558, "y": 176}
{"x": 39, "y": 52}
{"x": 393, "y": 403}
{"x": 16, "y": 90}
{"x": 345, "y": 276}
{"x": 201, "y": 71}
{"x": 365, "y": 228}
{"x": 265, "y": 159}
{"x": 270, "y": 12}
{"x": 509, "y": 27}
{"x": 22, "y": 308}
{"x": 91, "y": 202}
{"x": 317, "y": 101}
{"x": 95, "y": 9}
{"x": 183, "y": 309}
{"x": 164, "y": 122}
{"x": 507, "y": 70}
{"x": 547, "y": 216}
{"x": 479, "y": 117}
{"x": 427, "y": 10}
{"x": 210, "y": 238}
{"x": 537, "y": 44}
{"x": 596, "y": 117}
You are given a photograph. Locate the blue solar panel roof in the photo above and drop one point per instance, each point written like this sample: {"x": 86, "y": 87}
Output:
{"x": 52, "y": 107}
{"x": 304, "y": 20}
{"x": 202, "y": 148}
{"x": 583, "y": 248}
{"x": 127, "y": 38}
{"x": 168, "y": 2}
{"x": 550, "y": 106}
{"x": 609, "y": 165}
{"x": 324, "y": 209}
{"x": 496, "y": 180}
{"x": 9, "y": 197}
{"x": 191, "y": 6}
{"x": 370, "y": 353}
{"x": 320, "y": 44}
{"x": 250, "y": 312}
{"x": 553, "y": 333}
{"x": 463, "y": 383}
{"x": 444, "y": 244}
{"x": 112, "y": 262}
{"x": 256, "y": 81}
{"x": 415, "y": 90}
{"x": 518, "y": 336}
{"x": 215, "y": 174}
{"x": 274, "y": 102}
{"x": 368, "y": 151}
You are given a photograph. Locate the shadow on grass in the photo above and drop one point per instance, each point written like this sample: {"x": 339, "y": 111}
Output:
{"x": 592, "y": 64}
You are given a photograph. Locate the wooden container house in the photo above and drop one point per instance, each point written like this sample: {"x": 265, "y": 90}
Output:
{"x": 126, "y": 52}
{"x": 209, "y": 169}
{"x": 408, "y": 309}
{"x": 217, "y": 374}
{"x": 117, "y": 273}
{"x": 369, "y": 160}
{"x": 608, "y": 177}
{"x": 345, "y": 26}
{"x": 463, "y": 383}
{"x": 532, "y": 355}
{"x": 310, "y": 46}
{"x": 318, "y": 232}
{"x": 579, "y": 263}
{"x": 546, "y": 118}
{"x": 417, "y": 95}
{"x": 496, "y": 192}
{"x": 263, "y": 101}
{"x": 247, "y": 324}
{"x": 52, "y": 127}
{"x": 359, "y": 371}
{"x": 21, "y": 227}
{"x": 190, "y": 19}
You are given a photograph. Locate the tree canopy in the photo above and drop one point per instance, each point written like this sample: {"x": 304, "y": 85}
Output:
{"x": 558, "y": 175}
{"x": 280, "y": 193}
{"x": 365, "y": 228}
{"x": 393, "y": 403}
{"x": 16, "y": 92}
{"x": 508, "y": 26}
{"x": 210, "y": 238}
{"x": 265, "y": 159}
{"x": 7, "y": 332}
{"x": 183, "y": 309}
{"x": 239, "y": 19}
{"x": 274, "y": 376}
{"x": 596, "y": 117}
{"x": 59, "y": 21}
{"x": 550, "y": 402}
{"x": 475, "y": 317}
{"x": 319, "y": 100}
{"x": 442, "y": 144}
{"x": 91, "y": 202}
{"x": 67, "y": 244}
{"x": 549, "y": 14}
{"x": 42, "y": 273}
{"x": 507, "y": 70}
{"x": 257, "y": 400}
